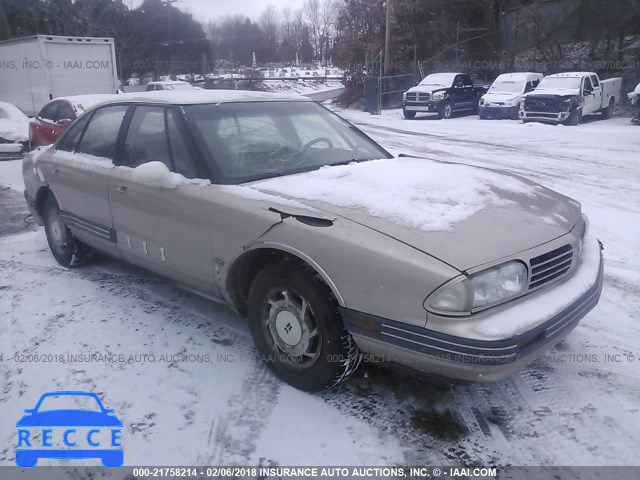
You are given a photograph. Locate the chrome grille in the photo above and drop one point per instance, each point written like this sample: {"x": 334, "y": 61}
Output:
{"x": 417, "y": 97}
{"x": 550, "y": 266}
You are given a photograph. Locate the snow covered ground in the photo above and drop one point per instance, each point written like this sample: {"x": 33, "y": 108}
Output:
{"x": 301, "y": 87}
{"x": 214, "y": 403}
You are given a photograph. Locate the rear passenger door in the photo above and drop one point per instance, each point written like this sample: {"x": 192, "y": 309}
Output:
{"x": 166, "y": 230}
{"x": 78, "y": 175}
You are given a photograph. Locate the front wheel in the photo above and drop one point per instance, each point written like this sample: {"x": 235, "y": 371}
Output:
{"x": 66, "y": 249}
{"x": 575, "y": 117}
{"x": 408, "y": 115}
{"x": 297, "y": 328}
{"x": 446, "y": 110}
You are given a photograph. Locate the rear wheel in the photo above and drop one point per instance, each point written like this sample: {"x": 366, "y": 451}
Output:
{"x": 297, "y": 329}
{"x": 408, "y": 115}
{"x": 66, "y": 249}
{"x": 608, "y": 112}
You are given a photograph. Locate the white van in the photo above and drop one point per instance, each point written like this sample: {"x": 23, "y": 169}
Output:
{"x": 504, "y": 96}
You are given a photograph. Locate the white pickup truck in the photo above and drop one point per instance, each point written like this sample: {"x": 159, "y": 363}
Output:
{"x": 567, "y": 97}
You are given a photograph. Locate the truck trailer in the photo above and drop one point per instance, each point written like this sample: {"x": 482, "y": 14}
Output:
{"x": 37, "y": 69}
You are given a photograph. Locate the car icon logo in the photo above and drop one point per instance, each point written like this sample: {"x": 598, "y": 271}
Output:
{"x": 69, "y": 433}
{"x": 540, "y": 104}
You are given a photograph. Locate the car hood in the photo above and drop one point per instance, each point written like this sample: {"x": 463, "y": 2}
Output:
{"x": 500, "y": 96}
{"x": 562, "y": 92}
{"x": 70, "y": 418}
{"x": 465, "y": 216}
{"x": 426, "y": 88}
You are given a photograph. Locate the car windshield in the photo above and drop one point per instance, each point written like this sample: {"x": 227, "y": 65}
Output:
{"x": 254, "y": 140}
{"x": 69, "y": 402}
{"x": 560, "y": 82}
{"x": 507, "y": 86}
{"x": 439, "y": 79}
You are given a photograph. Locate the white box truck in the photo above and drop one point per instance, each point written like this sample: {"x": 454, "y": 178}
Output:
{"x": 34, "y": 70}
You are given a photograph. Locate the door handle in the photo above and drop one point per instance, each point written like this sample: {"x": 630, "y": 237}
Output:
{"x": 121, "y": 189}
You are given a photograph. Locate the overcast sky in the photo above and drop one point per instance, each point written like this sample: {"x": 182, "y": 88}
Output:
{"x": 206, "y": 10}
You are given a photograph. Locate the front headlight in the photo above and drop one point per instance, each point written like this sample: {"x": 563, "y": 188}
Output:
{"x": 438, "y": 96}
{"x": 404, "y": 96}
{"x": 482, "y": 289}
{"x": 481, "y": 102}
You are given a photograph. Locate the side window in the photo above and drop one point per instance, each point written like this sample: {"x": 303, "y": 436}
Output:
{"x": 150, "y": 88}
{"x": 458, "y": 81}
{"x": 70, "y": 139}
{"x": 65, "y": 112}
{"x": 587, "y": 84}
{"x": 100, "y": 136}
{"x": 182, "y": 159}
{"x": 147, "y": 138}
{"x": 594, "y": 81}
{"x": 466, "y": 81}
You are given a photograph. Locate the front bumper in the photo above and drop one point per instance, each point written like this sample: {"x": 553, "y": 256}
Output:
{"x": 465, "y": 358}
{"x": 432, "y": 106}
{"x": 499, "y": 112}
{"x": 556, "y": 117}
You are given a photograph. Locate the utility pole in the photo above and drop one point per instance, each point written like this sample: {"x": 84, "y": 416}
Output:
{"x": 387, "y": 37}
{"x": 167, "y": 4}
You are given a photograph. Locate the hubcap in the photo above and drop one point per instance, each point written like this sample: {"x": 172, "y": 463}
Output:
{"x": 291, "y": 328}
{"x": 58, "y": 232}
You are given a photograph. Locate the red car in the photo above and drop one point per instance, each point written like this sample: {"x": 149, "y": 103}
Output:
{"x": 57, "y": 115}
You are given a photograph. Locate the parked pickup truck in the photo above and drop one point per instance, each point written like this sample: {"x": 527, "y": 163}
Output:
{"x": 567, "y": 97}
{"x": 444, "y": 94}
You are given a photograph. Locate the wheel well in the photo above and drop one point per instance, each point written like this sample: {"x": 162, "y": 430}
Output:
{"x": 245, "y": 269}
{"x": 41, "y": 197}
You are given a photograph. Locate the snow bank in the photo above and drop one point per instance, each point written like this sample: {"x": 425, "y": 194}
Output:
{"x": 411, "y": 192}
{"x": 541, "y": 307}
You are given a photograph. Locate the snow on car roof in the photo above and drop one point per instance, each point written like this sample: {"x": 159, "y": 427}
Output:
{"x": 184, "y": 97}
{"x": 167, "y": 82}
{"x": 84, "y": 102}
{"x": 572, "y": 74}
{"x": 518, "y": 76}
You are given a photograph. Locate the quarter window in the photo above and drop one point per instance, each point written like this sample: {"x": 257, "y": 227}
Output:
{"x": 147, "y": 138}
{"x": 99, "y": 138}
{"x": 69, "y": 142}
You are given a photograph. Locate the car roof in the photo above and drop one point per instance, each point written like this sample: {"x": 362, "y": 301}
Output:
{"x": 519, "y": 76}
{"x": 84, "y": 102}
{"x": 189, "y": 97}
{"x": 167, "y": 82}
{"x": 572, "y": 74}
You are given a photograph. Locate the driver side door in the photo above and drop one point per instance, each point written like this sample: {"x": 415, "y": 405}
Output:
{"x": 166, "y": 230}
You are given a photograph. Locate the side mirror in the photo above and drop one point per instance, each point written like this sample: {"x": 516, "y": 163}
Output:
{"x": 155, "y": 174}
{"x": 587, "y": 91}
{"x": 64, "y": 122}
{"x": 29, "y": 410}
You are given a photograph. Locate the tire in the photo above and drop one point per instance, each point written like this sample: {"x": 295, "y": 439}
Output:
{"x": 446, "y": 111}
{"x": 608, "y": 112}
{"x": 64, "y": 246}
{"x": 408, "y": 115}
{"x": 575, "y": 117}
{"x": 297, "y": 329}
